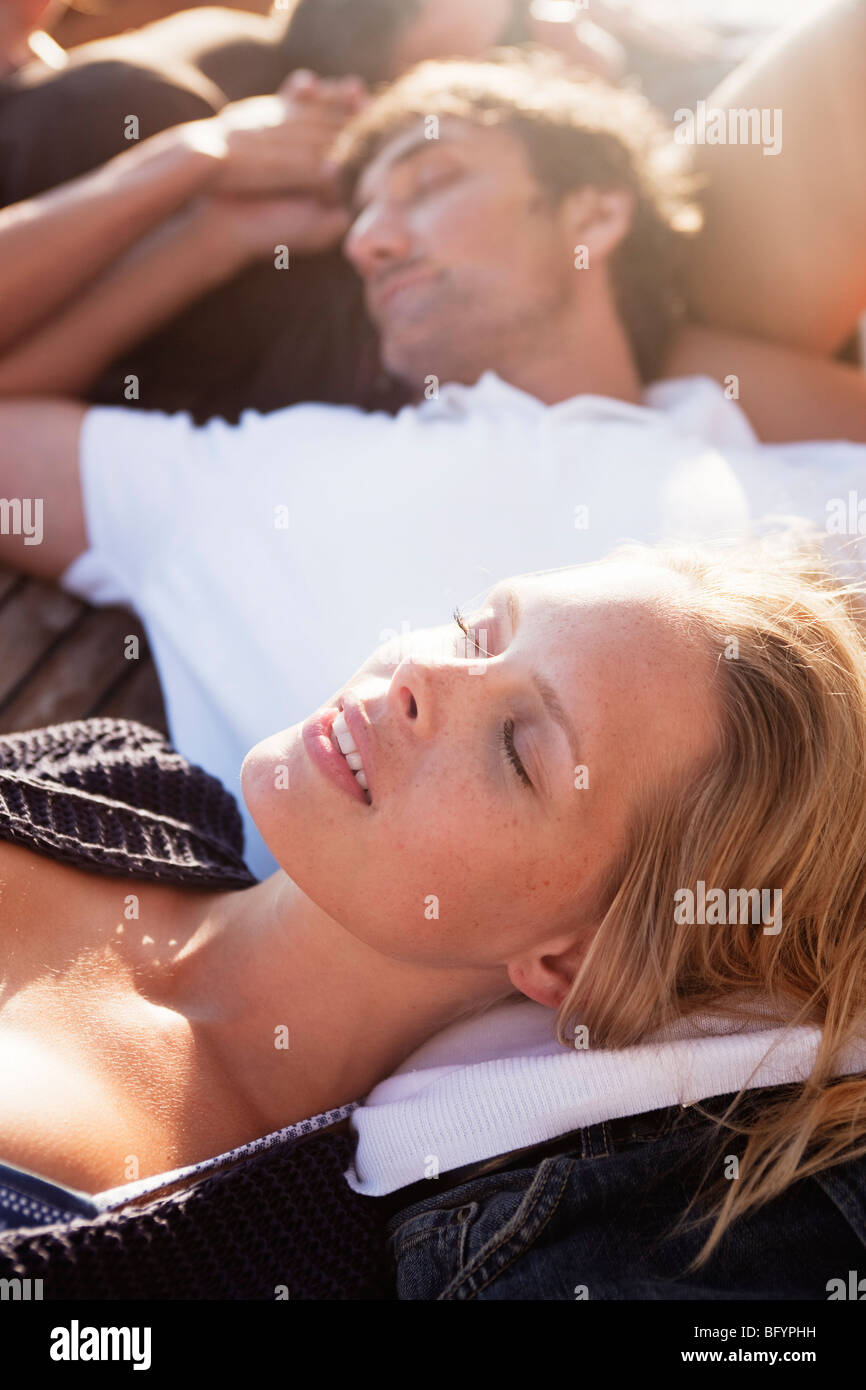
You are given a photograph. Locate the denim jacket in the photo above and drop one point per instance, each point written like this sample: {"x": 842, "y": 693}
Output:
{"x": 597, "y": 1219}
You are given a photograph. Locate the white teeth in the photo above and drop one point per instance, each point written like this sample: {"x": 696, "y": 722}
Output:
{"x": 340, "y": 730}
{"x": 348, "y": 748}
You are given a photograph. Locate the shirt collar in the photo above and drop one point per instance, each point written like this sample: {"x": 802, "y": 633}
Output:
{"x": 490, "y": 394}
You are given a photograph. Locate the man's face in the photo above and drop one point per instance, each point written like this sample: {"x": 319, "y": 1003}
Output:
{"x": 462, "y": 255}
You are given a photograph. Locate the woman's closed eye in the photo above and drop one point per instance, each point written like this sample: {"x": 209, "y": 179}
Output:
{"x": 511, "y": 753}
{"x": 506, "y": 735}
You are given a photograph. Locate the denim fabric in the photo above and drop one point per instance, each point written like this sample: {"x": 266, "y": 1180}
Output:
{"x": 597, "y": 1222}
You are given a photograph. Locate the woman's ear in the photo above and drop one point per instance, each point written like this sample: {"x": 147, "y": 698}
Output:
{"x": 596, "y": 221}
{"x": 546, "y": 975}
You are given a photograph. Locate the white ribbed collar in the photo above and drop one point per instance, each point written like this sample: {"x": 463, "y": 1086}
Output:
{"x": 502, "y": 1082}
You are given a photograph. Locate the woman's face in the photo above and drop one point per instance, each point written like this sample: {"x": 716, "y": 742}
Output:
{"x": 499, "y": 785}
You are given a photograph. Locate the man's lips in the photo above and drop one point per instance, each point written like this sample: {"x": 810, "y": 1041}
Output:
{"x": 384, "y": 289}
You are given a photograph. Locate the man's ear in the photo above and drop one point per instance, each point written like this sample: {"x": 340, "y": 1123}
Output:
{"x": 596, "y": 221}
{"x": 546, "y": 975}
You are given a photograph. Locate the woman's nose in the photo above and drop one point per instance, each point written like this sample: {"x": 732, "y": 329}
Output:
{"x": 431, "y": 689}
{"x": 412, "y": 698}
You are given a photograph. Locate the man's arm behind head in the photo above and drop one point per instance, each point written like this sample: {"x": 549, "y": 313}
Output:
{"x": 42, "y": 527}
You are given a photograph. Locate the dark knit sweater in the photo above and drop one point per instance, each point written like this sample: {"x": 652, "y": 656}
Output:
{"x": 112, "y": 797}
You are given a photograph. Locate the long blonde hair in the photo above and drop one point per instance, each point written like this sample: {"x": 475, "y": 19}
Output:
{"x": 782, "y": 806}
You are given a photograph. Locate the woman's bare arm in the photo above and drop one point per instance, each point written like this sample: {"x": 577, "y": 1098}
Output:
{"x": 92, "y": 267}
{"x": 783, "y": 255}
{"x": 787, "y": 394}
{"x": 54, "y": 245}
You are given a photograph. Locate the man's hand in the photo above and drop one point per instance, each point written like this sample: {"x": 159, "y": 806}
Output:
{"x": 250, "y": 229}
{"x": 275, "y": 186}
{"x": 279, "y": 144}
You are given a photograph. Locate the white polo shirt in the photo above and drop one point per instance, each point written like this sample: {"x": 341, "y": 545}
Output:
{"x": 268, "y": 559}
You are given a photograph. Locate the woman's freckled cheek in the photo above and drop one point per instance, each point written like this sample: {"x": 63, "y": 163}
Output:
{"x": 532, "y": 886}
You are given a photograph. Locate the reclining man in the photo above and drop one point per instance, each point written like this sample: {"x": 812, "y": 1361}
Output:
{"x": 517, "y": 237}
{"x": 130, "y": 282}
{"x": 271, "y": 340}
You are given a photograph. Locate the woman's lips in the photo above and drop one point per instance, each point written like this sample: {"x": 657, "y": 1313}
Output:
{"x": 326, "y": 756}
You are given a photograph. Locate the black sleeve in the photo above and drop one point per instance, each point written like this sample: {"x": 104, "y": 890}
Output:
{"x": 55, "y": 129}
{"x": 259, "y": 342}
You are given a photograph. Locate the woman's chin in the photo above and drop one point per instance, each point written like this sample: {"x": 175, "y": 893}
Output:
{"x": 269, "y": 776}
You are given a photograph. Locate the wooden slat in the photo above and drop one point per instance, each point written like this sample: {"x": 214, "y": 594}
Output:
{"x": 80, "y": 670}
{"x": 8, "y": 581}
{"x": 139, "y": 697}
{"x": 31, "y": 625}
{"x": 61, "y": 659}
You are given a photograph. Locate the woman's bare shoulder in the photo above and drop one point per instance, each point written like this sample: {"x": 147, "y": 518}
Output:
{"x": 781, "y": 254}
{"x": 788, "y": 395}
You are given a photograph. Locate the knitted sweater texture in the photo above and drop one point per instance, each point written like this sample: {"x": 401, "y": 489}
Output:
{"x": 112, "y": 797}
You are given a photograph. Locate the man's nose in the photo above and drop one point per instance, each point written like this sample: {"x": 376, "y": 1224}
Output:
{"x": 377, "y": 237}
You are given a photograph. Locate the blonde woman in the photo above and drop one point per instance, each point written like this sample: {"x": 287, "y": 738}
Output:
{"x": 552, "y": 772}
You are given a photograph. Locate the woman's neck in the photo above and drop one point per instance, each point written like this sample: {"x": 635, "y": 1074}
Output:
{"x": 298, "y": 1014}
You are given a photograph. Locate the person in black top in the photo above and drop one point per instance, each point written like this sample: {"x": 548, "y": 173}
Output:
{"x": 258, "y": 341}
{"x": 240, "y": 336}
{"x": 255, "y": 341}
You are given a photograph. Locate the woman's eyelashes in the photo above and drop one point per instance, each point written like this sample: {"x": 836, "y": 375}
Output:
{"x": 469, "y": 644}
{"x": 512, "y": 754}
{"x": 506, "y": 734}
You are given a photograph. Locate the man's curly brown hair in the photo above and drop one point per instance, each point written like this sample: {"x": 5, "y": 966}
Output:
{"x": 578, "y": 131}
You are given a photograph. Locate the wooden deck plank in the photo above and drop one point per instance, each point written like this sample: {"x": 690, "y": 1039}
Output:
{"x": 31, "y": 625}
{"x": 139, "y": 698}
{"x": 8, "y": 581}
{"x": 60, "y": 659}
{"x": 83, "y": 670}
